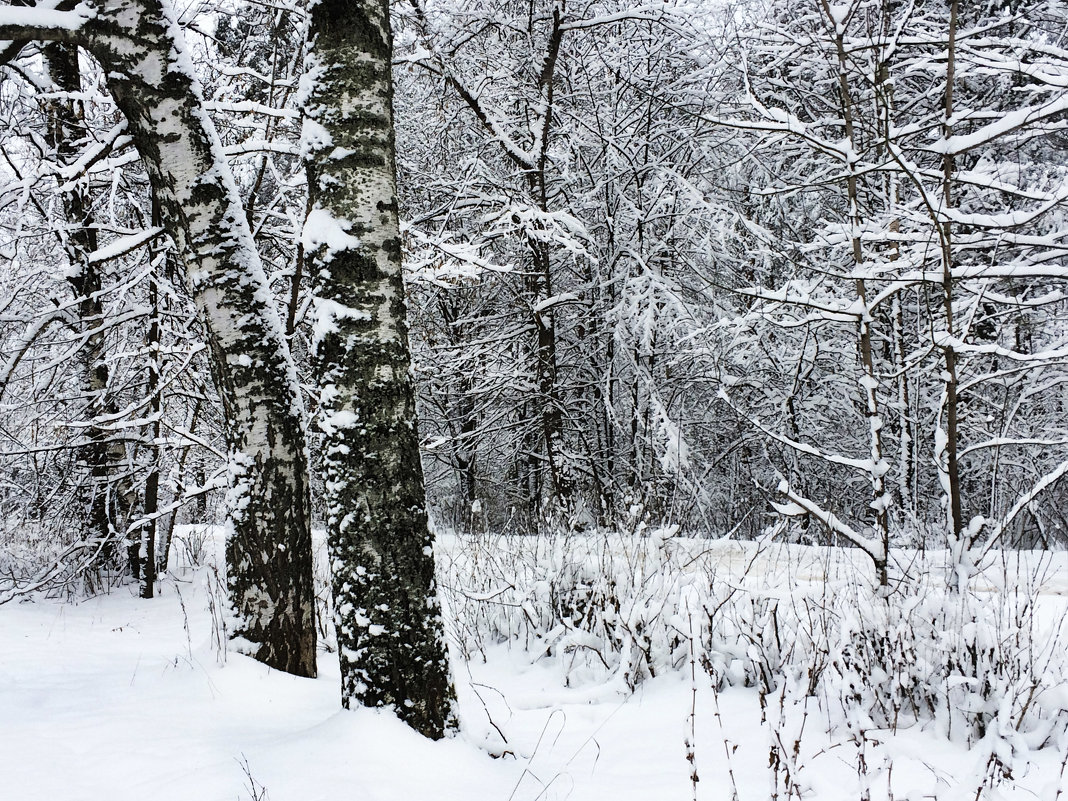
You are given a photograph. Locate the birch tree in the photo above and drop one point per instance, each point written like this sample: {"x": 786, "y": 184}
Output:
{"x": 389, "y": 629}
{"x": 150, "y": 75}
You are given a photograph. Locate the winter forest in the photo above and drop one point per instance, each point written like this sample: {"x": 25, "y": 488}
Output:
{"x": 534, "y": 400}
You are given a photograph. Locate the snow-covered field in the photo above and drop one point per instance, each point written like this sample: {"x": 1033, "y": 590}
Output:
{"x": 117, "y": 698}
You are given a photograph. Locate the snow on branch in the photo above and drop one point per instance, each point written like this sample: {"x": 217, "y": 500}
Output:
{"x": 451, "y": 264}
{"x": 1010, "y": 122}
{"x": 1007, "y": 219}
{"x": 24, "y": 342}
{"x": 864, "y": 465}
{"x": 261, "y": 146}
{"x": 829, "y": 309}
{"x": 250, "y": 107}
{"x": 944, "y": 339}
{"x": 124, "y": 245}
{"x": 217, "y": 482}
{"x": 647, "y": 13}
{"x": 19, "y": 23}
{"x": 113, "y": 140}
{"x": 1023, "y": 502}
{"x": 800, "y": 505}
{"x": 55, "y": 568}
{"x": 1007, "y": 442}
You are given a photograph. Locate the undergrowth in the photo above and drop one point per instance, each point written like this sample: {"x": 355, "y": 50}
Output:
{"x": 804, "y": 626}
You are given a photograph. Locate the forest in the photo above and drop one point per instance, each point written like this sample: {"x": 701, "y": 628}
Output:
{"x": 487, "y": 358}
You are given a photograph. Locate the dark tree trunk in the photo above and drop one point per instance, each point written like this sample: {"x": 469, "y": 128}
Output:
{"x": 389, "y": 629}
{"x": 147, "y": 540}
{"x": 105, "y": 493}
{"x": 951, "y": 468}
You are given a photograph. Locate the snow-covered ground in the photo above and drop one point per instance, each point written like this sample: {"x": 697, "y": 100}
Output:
{"x": 117, "y": 698}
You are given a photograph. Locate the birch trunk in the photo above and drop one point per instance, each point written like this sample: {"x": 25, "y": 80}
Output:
{"x": 389, "y": 629}
{"x": 269, "y": 571}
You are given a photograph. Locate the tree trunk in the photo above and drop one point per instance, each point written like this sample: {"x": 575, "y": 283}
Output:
{"x": 106, "y": 500}
{"x": 389, "y": 629}
{"x": 268, "y": 549}
{"x": 147, "y": 540}
{"x": 947, "y": 457}
{"x": 868, "y": 381}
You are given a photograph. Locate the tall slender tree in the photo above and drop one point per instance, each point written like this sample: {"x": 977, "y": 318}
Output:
{"x": 389, "y": 629}
{"x": 106, "y": 501}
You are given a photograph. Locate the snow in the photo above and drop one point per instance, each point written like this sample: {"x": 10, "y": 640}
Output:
{"x": 43, "y": 17}
{"x": 337, "y": 420}
{"x": 556, "y": 300}
{"x": 322, "y": 228}
{"x": 124, "y": 245}
{"x": 327, "y": 313}
{"x": 119, "y": 698}
{"x": 104, "y": 700}
{"x": 1004, "y": 124}
{"x": 313, "y": 137}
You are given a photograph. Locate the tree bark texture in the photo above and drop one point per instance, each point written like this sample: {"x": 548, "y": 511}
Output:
{"x": 389, "y": 628}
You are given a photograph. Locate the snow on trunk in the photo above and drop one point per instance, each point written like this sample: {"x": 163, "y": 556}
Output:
{"x": 269, "y": 569}
{"x": 389, "y": 629}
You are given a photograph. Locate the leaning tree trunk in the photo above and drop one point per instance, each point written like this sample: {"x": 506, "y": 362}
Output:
{"x": 389, "y": 629}
{"x": 269, "y": 570}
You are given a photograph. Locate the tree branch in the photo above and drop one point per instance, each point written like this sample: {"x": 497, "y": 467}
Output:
{"x": 20, "y": 25}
